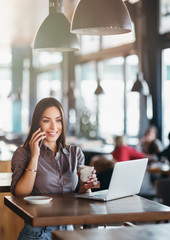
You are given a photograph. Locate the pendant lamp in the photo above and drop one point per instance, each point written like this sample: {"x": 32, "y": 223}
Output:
{"x": 54, "y": 33}
{"x": 99, "y": 90}
{"x": 101, "y": 17}
{"x": 140, "y": 85}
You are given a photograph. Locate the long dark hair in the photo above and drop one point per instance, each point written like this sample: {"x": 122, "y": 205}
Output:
{"x": 41, "y": 106}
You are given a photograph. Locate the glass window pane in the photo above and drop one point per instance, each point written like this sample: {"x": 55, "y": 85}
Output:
{"x": 45, "y": 58}
{"x": 5, "y": 59}
{"x": 111, "y": 104}
{"x": 89, "y": 44}
{"x": 166, "y": 95}
{"x": 25, "y": 96}
{"x": 118, "y": 40}
{"x": 132, "y": 122}
{"x": 49, "y": 84}
{"x": 6, "y": 100}
{"x": 86, "y": 103}
{"x": 164, "y": 26}
{"x": 88, "y": 84}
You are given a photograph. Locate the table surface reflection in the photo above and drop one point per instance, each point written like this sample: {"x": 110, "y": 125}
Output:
{"x": 66, "y": 209}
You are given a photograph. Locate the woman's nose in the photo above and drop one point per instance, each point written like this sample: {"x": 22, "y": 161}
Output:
{"x": 52, "y": 125}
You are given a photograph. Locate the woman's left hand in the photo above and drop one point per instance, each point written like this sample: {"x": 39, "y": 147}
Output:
{"x": 92, "y": 182}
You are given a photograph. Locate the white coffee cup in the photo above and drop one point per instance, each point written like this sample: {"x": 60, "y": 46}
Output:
{"x": 85, "y": 172}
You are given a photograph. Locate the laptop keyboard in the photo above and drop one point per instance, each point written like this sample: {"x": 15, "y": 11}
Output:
{"x": 98, "y": 196}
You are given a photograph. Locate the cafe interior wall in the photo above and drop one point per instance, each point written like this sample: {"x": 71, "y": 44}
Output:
{"x": 150, "y": 64}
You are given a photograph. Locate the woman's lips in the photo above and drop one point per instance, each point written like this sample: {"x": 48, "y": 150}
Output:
{"x": 52, "y": 134}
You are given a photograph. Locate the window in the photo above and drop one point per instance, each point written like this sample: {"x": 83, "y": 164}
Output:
{"x": 6, "y": 101}
{"x": 86, "y": 100}
{"x": 49, "y": 84}
{"x": 133, "y": 98}
{"x": 25, "y": 96}
{"x": 111, "y": 113}
{"x": 49, "y": 78}
{"x": 118, "y": 40}
{"x": 89, "y": 44}
{"x": 164, "y": 26}
{"x": 5, "y": 92}
{"x": 166, "y": 95}
{"x": 43, "y": 59}
{"x": 111, "y": 103}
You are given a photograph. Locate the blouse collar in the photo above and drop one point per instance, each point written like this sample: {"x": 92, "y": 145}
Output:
{"x": 46, "y": 149}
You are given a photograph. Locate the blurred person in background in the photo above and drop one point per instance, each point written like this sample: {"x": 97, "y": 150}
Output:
{"x": 166, "y": 152}
{"x": 150, "y": 144}
{"x": 123, "y": 152}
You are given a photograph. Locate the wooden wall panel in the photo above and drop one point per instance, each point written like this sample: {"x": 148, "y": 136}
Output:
{"x": 10, "y": 223}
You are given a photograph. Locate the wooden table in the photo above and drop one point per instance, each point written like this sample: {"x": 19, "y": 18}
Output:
{"x": 145, "y": 232}
{"x": 5, "y": 181}
{"x": 158, "y": 170}
{"x": 66, "y": 209}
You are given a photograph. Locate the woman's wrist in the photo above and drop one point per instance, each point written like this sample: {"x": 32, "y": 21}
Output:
{"x": 33, "y": 163}
{"x": 31, "y": 170}
{"x": 35, "y": 155}
{"x": 82, "y": 188}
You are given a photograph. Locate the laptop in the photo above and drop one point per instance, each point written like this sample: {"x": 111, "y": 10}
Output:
{"x": 126, "y": 180}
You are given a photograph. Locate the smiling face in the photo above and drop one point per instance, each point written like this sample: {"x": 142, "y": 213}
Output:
{"x": 51, "y": 124}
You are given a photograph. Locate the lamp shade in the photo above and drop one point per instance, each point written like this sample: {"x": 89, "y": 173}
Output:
{"x": 141, "y": 85}
{"x": 101, "y": 17}
{"x": 99, "y": 90}
{"x": 54, "y": 35}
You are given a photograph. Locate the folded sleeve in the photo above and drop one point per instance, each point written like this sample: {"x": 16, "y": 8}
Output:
{"x": 19, "y": 163}
{"x": 80, "y": 156}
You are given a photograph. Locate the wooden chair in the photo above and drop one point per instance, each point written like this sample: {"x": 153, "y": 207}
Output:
{"x": 5, "y": 166}
{"x": 10, "y": 223}
{"x": 163, "y": 190}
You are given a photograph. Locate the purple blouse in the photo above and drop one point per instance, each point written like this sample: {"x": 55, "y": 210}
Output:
{"x": 54, "y": 174}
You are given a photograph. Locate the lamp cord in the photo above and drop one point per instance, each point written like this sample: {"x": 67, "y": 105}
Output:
{"x": 55, "y": 6}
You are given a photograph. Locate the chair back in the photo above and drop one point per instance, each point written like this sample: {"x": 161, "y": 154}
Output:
{"x": 163, "y": 190}
{"x": 5, "y": 166}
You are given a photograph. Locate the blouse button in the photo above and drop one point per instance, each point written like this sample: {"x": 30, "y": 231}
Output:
{"x": 65, "y": 151}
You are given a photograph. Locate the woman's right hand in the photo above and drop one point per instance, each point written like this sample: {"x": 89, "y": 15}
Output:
{"x": 34, "y": 143}
{"x": 26, "y": 183}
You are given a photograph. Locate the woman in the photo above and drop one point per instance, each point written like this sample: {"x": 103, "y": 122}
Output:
{"x": 45, "y": 164}
{"x": 150, "y": 144}
{"x": 123, "y": 152}
{"x": 166, "y": 152}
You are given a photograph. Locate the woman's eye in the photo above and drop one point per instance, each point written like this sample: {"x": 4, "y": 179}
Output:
{"x": 58, "y": 120}
{"x": 45, "y": 121}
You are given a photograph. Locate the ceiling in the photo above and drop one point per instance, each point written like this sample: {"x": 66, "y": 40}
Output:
{"x": 20, "y": 20}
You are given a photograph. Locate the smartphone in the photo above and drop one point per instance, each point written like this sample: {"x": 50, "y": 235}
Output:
{"x": 41, "y": 141}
